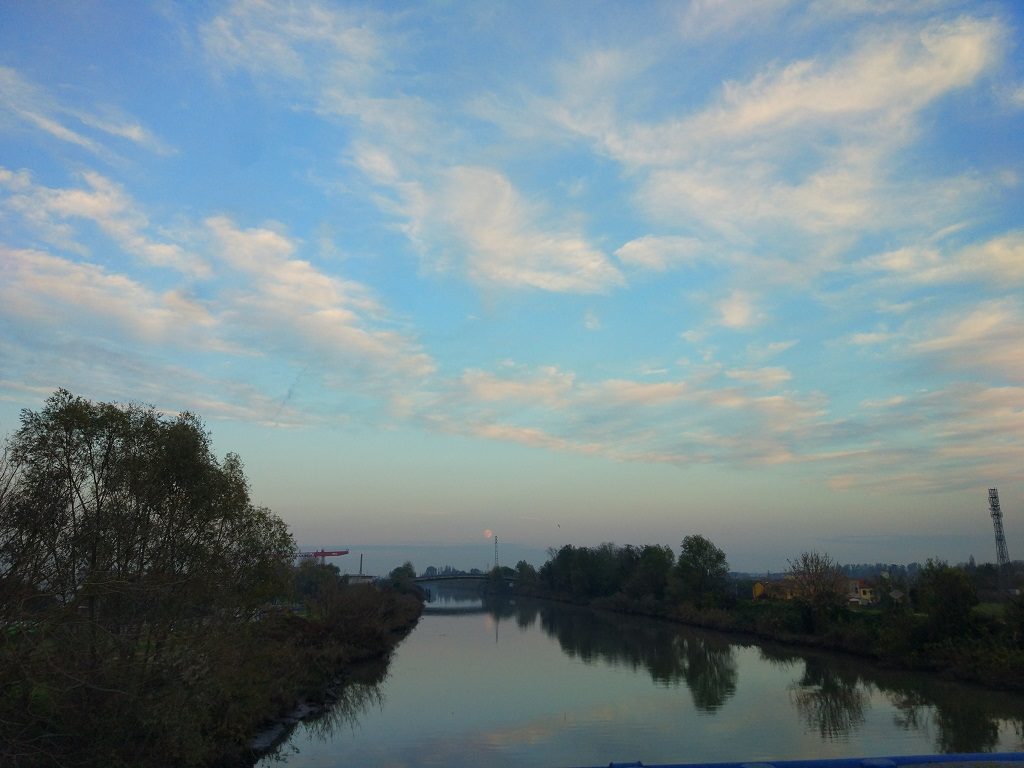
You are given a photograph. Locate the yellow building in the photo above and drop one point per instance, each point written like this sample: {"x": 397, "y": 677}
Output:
{"x": 861, "y": 592}
{"x": 776, "y": 589}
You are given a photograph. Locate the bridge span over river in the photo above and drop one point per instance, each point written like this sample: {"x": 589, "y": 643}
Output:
{"x": 463, "y": 581}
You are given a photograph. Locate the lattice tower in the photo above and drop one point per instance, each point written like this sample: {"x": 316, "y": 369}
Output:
{"x": 1002, "y": 556}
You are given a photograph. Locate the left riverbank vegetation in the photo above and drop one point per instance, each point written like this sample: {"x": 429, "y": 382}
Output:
{"x": 925, "y": 617}
{"x": 150, "y": 612}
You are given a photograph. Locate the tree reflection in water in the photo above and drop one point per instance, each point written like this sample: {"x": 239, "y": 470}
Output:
{"x": 350, "y": 700}
{"x": 669, "y": 654}
{"x": 526, "y": 616}
{"x": 830, "y": 701}
{"x": 710, "y": 671}
{"x": 961, "y": 724}
{"x": 833, "y": 692}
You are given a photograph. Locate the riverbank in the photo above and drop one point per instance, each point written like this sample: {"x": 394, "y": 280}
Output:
{"x": 981, "y": 655}
{"x": 348, "y": 641}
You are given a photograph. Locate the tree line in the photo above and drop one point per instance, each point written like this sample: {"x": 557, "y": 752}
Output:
{"x": 928, "y": 617}
{"x": 649, "y": 573}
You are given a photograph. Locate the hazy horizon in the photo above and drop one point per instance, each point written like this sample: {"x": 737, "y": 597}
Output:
{"x": 381, "y": 559}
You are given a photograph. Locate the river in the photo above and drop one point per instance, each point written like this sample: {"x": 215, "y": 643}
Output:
{"x": 515, "y": 683}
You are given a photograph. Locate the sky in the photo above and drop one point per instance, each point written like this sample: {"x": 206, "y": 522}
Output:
{"x": 571, "y": 272}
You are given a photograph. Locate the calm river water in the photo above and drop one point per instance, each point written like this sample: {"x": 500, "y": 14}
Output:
{"x": 530, "y": 683}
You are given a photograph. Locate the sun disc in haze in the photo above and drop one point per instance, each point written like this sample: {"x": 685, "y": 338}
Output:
{"x": 488, "y": 533}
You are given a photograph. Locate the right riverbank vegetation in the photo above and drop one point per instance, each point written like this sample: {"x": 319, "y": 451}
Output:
{"x": 926, "y": 618}
{"x": 150, "y": 613}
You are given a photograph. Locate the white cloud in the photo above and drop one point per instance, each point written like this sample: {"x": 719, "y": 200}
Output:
{"x": 625, "y": 392}
{"x": 473, "y": 219}
{"x": 35, "y": 106}
{"x": 1018, "y": 96}
{"x": 289, "y": 40}
{"x": 805, "y": 145}
{"x": 771, "y": 349}
{"x": 125, "y": 128}
{"x": 677, "y": 421}
{"x": 532, "y": 437}
{"x": 287, "y": 302}
{"x": 738, "y": 311}
{"x": 49, "y": 210}
{"x": 999, "y": 260}
{"x": 659, "y": 253}
{"x": 505, "y": 243}
{"x": 328, "y": 59}
{"x": 335, "y": 62}
{"x": 258, "y": 297}
{"x": 550, "y": 387}
{"x": 965, "y": 435}
{"x": 58, "y": 131}
{"x": 870, "y": 338}
{"x": 895, "y": 308}
{"x": 53, "y": 291}
{"x": 109, "y": 370}
{"x": 985, "y": 339}
{"x": 376, "y": 163}
{"x": 875, "y": 89}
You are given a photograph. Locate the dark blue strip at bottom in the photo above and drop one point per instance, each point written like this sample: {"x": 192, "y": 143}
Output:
{"x": 981, "y": 759}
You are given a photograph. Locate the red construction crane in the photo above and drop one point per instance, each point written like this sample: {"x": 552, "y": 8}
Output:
{"x": 323, "y": 554}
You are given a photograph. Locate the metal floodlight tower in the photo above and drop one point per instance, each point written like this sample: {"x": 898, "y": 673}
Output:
{"x": 1002, "y": 557}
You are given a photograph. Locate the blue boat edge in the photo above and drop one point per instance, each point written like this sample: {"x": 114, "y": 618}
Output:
{"x": 962, "y": 760}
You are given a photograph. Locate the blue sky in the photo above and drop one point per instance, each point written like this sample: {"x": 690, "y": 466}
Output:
{"x": 573, "y": 272}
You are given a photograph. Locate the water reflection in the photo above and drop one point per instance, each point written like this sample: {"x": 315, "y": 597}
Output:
{"x": 669, "y": 654}
{"x": 353, "y": 699}
{"x": 455, "y": 607}
{"x": 960, "y": 724}
{"x": 349, "y": 700}
{"x": 448, "y": 600}
{"x": 710, "y": 671}
{"x": 526, "y": 615}
{"x": 830, "y": 700}
{"x": 832, "y": 692}
{"x": 830, "y": 697}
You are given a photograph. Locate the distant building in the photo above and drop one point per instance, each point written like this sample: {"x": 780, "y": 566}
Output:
{"x": 775, "y": 589}
{"x": 861, "y": 592}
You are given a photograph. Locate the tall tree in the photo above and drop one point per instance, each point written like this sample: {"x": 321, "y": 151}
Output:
{"x": 819, "y": 584}
{"x": 403, "y": 574}
{"x": 137, "y": 553}
{"x": 702, "y": 570}
{"x": 947, "y": 595}
{"x": 651, "y": 572}
{"x": 526, "y": 573}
